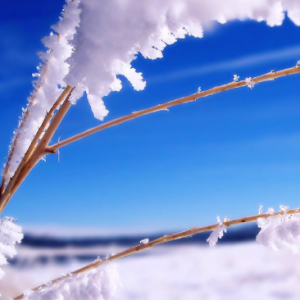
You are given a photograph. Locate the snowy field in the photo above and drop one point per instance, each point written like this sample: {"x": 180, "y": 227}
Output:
{"x": 244, "y": 271}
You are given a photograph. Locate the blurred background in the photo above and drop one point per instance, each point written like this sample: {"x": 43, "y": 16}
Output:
{"x": 223, "y": 155}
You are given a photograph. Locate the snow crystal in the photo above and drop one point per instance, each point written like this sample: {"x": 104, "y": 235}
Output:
{"x": 280, "y": 231}
{"x": 217, "y": 233}
{"x": 99, "y": 283}
{"x": 236, "y": 78}
{"x": 249, "y": 82}
{"x": 10, "y": 234}
{"x": 144, "y": 241}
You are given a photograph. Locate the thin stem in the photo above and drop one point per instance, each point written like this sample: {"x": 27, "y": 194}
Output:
{"x": 269, "y": 76}
{"x": 23, "y": 121}
{"x": 162, "y": 240}
{"x": 34, "y": 153}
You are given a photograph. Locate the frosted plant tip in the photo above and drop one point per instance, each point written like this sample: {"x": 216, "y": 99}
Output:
{"x": 199, "y": 89}
{"x": 236, "y": 78}
{"x": 249, "y": 82}
{"x": 217, "y": 233}
{"x": 283, "y": 208}
{"x": 144, "y": 241}
{"x": 260, "y": 210}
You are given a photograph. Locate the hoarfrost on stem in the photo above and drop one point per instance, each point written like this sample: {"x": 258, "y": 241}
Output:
{"x": 236, "y": 78}
{"x": 144, "y": 241}
{"x": 280, "y": 231}
{"x": 97, "y": 40}
{"x": 99, "y": 283}
{"x": 249, "y": 82}
{"x": 217, "y": 233}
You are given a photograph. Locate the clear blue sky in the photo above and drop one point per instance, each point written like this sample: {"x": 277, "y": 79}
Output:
{"x": 223, "y": 155}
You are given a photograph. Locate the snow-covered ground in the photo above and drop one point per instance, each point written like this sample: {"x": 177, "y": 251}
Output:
{"x": 243, "y": 271}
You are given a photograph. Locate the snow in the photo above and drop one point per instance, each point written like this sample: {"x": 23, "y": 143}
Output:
{"x": 245, "y": 271}
{"x": 95, "y": 41}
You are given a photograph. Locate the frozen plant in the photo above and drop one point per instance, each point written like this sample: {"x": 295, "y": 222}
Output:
{"x": 99, "y": 283}
{"x": 280, "y": 231}
{"x": 93, "y": 43}
{"x": 217, "y": 233}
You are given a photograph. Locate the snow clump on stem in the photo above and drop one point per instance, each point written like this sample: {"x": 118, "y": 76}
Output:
{"x": 99, "y": 283}
{"x": 217, "y": 233}
{"x": 97, "y": 40}
{"x": 280, "y": 231}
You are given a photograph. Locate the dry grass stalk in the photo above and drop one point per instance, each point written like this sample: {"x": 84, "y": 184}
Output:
{"x": 232, "y": 85}
{"x": 162, "y": 240}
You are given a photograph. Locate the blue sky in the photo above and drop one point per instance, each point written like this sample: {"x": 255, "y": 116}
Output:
{"x": 223, "y": 155}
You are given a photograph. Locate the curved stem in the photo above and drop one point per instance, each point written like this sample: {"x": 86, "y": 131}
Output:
{"x": 34, "y": 153}
{"x": 162, "y": 240}
{"x": 269, "y": 76}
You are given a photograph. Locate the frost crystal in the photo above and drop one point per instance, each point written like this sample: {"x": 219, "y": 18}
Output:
{"x": 260, "y": 210}
{"x": 280, "y": 231}
{"x": 100, "y": 283}
{"x": 236, "y": 78}
{"x": 217, "y": 233}
{"x": 144, "y": 241}
{"x": 249, "y": 82}
{"x": 10, "y": 234}
{"x": 199, "y": 89}
{"x": 298, "y": 63}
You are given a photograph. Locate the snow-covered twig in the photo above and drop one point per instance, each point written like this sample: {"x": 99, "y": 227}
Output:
{"x": 167, "y": 105}
{"x": 172, "y": 237}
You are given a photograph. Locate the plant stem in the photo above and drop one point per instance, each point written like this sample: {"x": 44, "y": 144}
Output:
{"x": 269, "y": 76}
{"x": 162, "y": 240}
{"x": 34, "y": 153}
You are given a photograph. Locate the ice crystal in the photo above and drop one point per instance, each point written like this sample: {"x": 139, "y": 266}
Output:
{"x": 217, "y": 233}
{"x": 144, "y": 241}
{"x": 236, "y": 78}
{"x": 249, "y": 82}
{"x": 280, "y": 231}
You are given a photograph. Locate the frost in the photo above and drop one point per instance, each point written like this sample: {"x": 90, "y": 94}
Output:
{"x": 95, "y": 41}
{"x": 249, "y": 82}
{"x": 48, "y": 86}
{"x": 260, "y": 210}
{"x": 298, "y": 64}
{"x": 236, "y": 78}
{"x": 199, "y": 89}
{"x": 217, "y": 233}
{"x": 280, "y": 231}
{"x": 10, "y": 234}
{"x": 100, "y": 283}
{"x": 144, "y": 241}
{"x": 270, "y": 211}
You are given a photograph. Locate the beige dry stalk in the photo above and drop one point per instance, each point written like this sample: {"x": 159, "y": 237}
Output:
{"x": 34, "y": 153}
{"x": 269, "y": 76}
{"x": 162, "y": 240}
